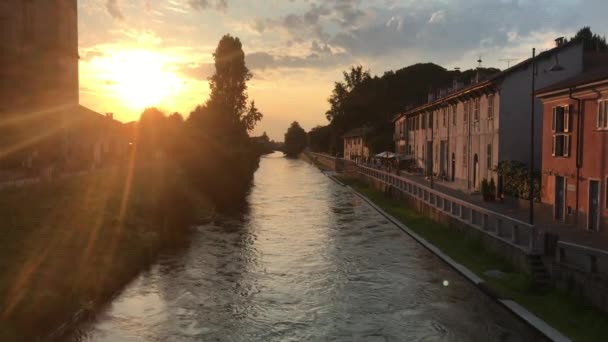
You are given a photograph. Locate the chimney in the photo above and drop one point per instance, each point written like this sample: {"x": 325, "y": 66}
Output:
{"x": 110, "y": 116}
{"x": 559, "y": 41}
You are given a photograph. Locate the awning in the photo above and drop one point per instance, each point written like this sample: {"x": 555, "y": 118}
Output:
{"x": 386, "y": 155}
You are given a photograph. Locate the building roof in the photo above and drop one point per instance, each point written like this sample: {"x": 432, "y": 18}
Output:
{"x": 592, "y": 76}
{"x": 356, "y": 132}
{"x": 461, "y": 92}
{"x": 492, "y": 80}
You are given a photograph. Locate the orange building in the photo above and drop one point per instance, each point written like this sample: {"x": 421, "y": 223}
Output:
{"x": 575, "y": 150}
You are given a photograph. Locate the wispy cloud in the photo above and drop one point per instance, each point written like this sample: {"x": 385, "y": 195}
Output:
{"x": 114, "y": 9}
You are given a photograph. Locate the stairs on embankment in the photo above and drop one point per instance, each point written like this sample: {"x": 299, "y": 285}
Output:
{"x": 541, "y": 279}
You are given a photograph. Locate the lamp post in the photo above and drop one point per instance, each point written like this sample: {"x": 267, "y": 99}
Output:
{"x": 555, "y": 68}
{"x": 531, "y": 169}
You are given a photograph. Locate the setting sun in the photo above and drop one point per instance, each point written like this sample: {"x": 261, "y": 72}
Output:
{"x": 139, "y": 79}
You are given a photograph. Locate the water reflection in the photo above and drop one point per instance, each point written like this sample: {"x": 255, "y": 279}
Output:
{"x": 307, "y": 261}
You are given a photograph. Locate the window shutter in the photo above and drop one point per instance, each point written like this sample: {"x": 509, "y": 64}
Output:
{"x": 554, "y": 119}
{"x": 553, "y": 143}
{"x": 566, "y": 118}
{"x": 600, "y": 113}
{"x": 566, "y": 145}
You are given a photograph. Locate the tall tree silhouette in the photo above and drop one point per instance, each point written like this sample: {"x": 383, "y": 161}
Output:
{"x": 295, "y": 140}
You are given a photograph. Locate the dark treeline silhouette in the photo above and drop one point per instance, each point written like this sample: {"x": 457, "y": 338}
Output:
{"x": 295, "y": 140}
{"x": 212, "y": 147}
{"x": 591, "y": 41}
{"x": 265, "y": 145}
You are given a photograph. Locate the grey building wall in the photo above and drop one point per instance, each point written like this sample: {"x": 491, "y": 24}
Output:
{"x": 515, "y": 91}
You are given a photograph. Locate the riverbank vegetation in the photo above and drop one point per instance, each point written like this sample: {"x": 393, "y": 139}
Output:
{"x": 568, "y": 314}
{"x": 68, "y": 244}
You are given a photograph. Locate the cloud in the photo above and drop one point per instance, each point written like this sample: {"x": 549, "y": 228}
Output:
{"x": 220, "y": 5}
{"x": 265, "y": 60}
{"x": 89, "y": 55}
{"x": 431, "y": 29}
{"x": 114, "y": 9}
{"x": 437, "y": 17}
{"x": 197, "y": 71}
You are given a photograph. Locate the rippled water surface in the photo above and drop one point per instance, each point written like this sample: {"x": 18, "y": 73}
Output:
{"x": 307, "y": 261}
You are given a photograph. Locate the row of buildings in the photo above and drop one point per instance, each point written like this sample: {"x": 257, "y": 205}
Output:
{"x": 42, "y": 124}
{"x": 463, "y": 132}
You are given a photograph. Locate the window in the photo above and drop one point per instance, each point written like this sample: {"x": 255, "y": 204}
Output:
{"x": 602, "y": 114}
{"x": 561, "y": 127}
{"x": 423, "y": 117}
{"x": 477, "y": 104}
{"x": 466, "y": 111}
{"x": 561, "y": 145}
{"x": 445, "y": 113}
{"x": 454, "y": 115}
{"x": 489, "y": 156}
{"x": 430, "y": 117}
{"x": 606, "y": 199}
{"x": 464, "y": 156}
{"x": 491, "y": 106}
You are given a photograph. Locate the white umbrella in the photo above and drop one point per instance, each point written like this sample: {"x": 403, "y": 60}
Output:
{"x": 386, "y": 155}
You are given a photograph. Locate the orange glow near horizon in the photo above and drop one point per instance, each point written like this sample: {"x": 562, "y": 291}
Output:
{"x": 139, "y": 78}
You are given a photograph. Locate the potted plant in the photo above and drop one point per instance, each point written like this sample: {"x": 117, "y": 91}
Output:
{"x": 485, "y": 190}
{"x": 491, "y": 190}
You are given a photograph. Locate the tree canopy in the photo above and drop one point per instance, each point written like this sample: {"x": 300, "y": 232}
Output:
{"x": 591, "y": 41}
{"x": 295, "y": 140}
{"x": 227, "y": 114}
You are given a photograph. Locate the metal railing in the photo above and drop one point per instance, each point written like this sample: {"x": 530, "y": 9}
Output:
{"x": 509, "y": 230}
{"x": 583, "y": 258}
{"x": 502, "y": 227}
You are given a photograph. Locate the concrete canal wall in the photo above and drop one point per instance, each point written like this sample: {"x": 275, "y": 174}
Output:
{"x": 504, "y": 236}
{"x": 579, "y": 270}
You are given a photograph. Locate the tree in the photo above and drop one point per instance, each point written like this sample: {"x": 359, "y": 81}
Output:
{"x": 251, "y": 117}
{"x": 590, "y": 40}
{"x": 217, "y": 153}
{"x": 319, "y": 138}
{"x": 226, "y": 114}
{"x": 295, "y": 140}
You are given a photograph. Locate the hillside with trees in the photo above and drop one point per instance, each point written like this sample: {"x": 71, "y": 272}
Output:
{"x": 362, "y": 100}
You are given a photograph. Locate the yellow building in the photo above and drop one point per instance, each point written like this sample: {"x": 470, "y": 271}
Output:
{"x": 355, "y": 145}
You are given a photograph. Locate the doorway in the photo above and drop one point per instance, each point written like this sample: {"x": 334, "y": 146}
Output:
{"x": 453, "y": 167}
{"x": 476, "y": 172}
{"x": 429, "y": 158}
{"x": 443, "y": 159}
{"x": 558, "y": 202}
{"x": 593, "y": 220}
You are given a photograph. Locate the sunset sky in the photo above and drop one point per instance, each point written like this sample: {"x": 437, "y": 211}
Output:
{"x": 138, "y": 53}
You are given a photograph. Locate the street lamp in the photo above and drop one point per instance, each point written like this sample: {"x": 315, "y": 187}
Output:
{"x": 531, "y": 168}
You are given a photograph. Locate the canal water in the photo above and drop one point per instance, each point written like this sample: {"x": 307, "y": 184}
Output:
{"x": 306, "y": 261}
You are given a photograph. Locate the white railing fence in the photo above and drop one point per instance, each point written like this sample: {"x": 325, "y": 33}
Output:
{"x": 583, "y": 258}
{"x": 500, "y": 226}
{"x": 512, "y": 231}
